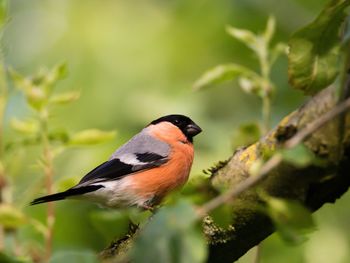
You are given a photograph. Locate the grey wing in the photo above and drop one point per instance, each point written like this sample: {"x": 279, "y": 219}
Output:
{"x": 142, "y": 152}
{"x": 142, "y": 148}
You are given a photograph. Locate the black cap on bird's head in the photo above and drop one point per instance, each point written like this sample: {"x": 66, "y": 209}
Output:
{"x": 184, "y": 123}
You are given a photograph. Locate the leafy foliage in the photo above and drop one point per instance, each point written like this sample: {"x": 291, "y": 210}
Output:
{"x": 315, "y": 49}
{"x": 11, "y": 217}
{"x": 299, "y": 156}
{"x": 172, "y": 235}
{"x": 250, "y": 81}
{"x": 291, "y": 219}
{"x": 223, "y": 73}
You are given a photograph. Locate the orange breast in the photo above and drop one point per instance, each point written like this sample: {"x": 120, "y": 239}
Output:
{"x": 159, "y": 181}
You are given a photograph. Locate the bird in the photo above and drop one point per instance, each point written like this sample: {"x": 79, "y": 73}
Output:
{"x": 140, "y": 173}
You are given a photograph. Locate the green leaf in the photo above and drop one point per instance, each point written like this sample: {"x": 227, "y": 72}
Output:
{"x": 110, "y": 223}
{"x": 291, "y": 219}
{"x": 11, "y": 217}
{"x": 222, "y": 73}
{"x": 35, "y": 94}
{"x": 36, "y": 97}
{"x": 91, "y": 136}
{"x": 20, "y": 82}
{"x": 245, "y": 135}
{"x": 223, "y": 215}
{"x": 138, "y": 217}
{"x": 279, "y": 49}
{"x": 314, "y": 50}
{"x": 39, "y": 226}
{"x": 58, "y": 72}
{"x": 60, "y": 135}
{"x": 245, "y": 36}
{"x": 24, "y": 126}
{"x": 172, "y": 235}
{"x": 253, "y": 85}
{"x": 65, "y": 98}
{"x": 270, "y": 29}
{"x": 299, "y": 156}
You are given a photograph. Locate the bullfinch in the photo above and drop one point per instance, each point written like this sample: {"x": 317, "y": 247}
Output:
{"x": 141, "y": 172}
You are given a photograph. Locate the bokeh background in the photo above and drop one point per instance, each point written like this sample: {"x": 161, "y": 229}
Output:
{"x": 134, "y": 61}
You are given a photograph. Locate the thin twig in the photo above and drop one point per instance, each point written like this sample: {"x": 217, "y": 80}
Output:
{"x": 49, "y": 173}
{"x": 315, "y": 125}
{"x": 50, "y": 220}
{"x": 275, "y": 160}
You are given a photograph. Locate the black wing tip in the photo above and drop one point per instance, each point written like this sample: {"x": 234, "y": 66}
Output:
{"x": 37, "y": 201}
{"x": 44, "y": 199}
{"x": 64, "y": 195}
{"x": 50, "y": 198}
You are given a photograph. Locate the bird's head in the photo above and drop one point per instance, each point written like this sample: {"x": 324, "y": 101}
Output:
{"x": 188, "y": 127}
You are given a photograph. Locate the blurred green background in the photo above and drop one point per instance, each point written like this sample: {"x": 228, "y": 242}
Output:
{"x": 134, "y": 61}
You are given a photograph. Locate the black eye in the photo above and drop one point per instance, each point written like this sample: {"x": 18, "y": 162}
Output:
{"x": 176, "y": 121}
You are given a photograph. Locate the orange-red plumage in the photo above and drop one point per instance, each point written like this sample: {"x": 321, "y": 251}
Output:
{"x": 173, "y": 174}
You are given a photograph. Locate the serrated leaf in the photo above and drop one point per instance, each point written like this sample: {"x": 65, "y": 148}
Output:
{"x": 314, "y": 50}
{"x": 245, "y": 36}
{"x": 291, "y": 219}
{"x": 299, "y": 156}
{"x": 24, "y": 126}
{"x": 91, "y": 136}
{"x": 171, "y": 236}
{"x": 11, "y": 217}
{"x": 221, "y": 74}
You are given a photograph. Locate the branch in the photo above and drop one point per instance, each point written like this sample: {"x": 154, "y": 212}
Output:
{"x": 275, "y": 160}
{"x": 328, "y": 137}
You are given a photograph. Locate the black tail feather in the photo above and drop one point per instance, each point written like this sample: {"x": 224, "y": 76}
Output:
{"x": 68, "y": 193}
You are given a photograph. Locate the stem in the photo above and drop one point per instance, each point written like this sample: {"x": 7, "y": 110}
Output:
{"x": 266, "y": 85}
{"x": 48, "y": 172}
{"x": 266, "y": 112}
{"x": 3, "y": 103}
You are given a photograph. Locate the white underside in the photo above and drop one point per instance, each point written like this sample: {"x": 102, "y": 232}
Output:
{"x": 115, "y": 194}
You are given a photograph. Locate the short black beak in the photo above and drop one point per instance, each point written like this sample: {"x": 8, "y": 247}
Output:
{"x": 193, "y": 129}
